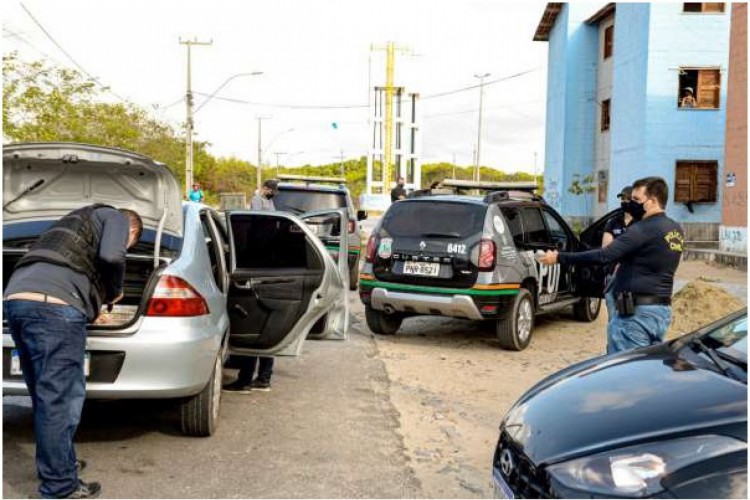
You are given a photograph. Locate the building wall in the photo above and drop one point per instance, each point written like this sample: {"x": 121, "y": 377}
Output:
{"x": 677, "y": 39}
{"x": 733, "y": 232}
{"x": 630, "y": 74}
{"x": 602, "y": 142}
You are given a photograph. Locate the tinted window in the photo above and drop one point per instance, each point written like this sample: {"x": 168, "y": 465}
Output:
{"x": 513, "y": 218}
{"x": 267, "y": 242}
{"x": 557, "y": 232}
{"x": 457, "y": 220}
{"x": 298, "y": 201}
{"x": 534, "y": 227}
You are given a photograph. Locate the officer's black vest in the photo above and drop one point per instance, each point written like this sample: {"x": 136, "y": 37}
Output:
{"x": 71, "y": 242}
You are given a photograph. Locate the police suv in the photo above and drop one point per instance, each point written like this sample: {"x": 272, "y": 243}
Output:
{"x": 473, "y": 257}
{"x": 300, "y": 194}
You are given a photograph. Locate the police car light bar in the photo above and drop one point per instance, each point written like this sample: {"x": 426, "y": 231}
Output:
{"x": 311, "y": 178}
{"x": 491, "y": 186}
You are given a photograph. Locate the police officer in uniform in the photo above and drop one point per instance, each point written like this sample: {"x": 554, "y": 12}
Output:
{"x": 56, "y": 289}
{"x": 648, "y": 255}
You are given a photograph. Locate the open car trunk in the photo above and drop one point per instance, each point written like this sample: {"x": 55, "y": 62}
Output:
{"x": 140, "y": 278}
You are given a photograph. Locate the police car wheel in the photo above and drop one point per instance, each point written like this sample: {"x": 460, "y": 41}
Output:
{"x": 514, "y": 331}
{"x": 382, "y": 323}
{"x": 587, "y": 309}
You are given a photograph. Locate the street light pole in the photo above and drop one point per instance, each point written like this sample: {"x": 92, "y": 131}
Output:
{"x": 260, "y": 158}
{"x": 479, "y": 128}
{"x": 189, "y": 112}
{"x": 216, "y": 91}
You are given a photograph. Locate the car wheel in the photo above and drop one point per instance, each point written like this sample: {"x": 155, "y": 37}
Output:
{"x": 353, "y": 278}
{"x": 384, "y": 324}
{"x": 514, "y": 331}
{"x": 199, "y": 414}
{"x": 587, "y": 309}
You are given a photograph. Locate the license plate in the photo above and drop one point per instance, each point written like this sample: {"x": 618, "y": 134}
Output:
{"x": 500, "y": 488}
{"x": 15, "y": 363}
{"x": 422, "y": 268}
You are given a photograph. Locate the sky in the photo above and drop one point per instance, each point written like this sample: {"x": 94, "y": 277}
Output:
{"x": 317, "y": 65}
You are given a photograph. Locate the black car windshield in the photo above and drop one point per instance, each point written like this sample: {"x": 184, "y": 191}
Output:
{"x": 431, "y": 219}
{"x": 299, "y": 201}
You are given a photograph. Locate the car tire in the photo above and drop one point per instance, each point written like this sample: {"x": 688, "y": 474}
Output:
{"x": 587, "y": 309}
{"x": 514, "y": 331}
{"x": 381, "y": 323}
{"x": 199, "y": 414}
{"x": 354, "y": 277}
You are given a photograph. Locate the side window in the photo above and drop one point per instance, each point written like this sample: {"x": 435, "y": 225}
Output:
{"x": 557, "y": 233}
{"x": 268, "y": 242}
{"x": 534, "y": 227}
{"x": 213, "y": 248}
{"x": 513, "y": 218}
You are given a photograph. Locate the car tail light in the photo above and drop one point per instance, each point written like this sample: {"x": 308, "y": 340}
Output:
{"x": 352, "y": 226}
{"x": 486, "y": 255}
{"x": 370, "y": 252}
{"x": 174, "y": 296}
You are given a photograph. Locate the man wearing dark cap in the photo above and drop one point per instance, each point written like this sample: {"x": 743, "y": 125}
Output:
{"x": 245, "y": 383}
{"x": 615, "y": 227}
{"x": 263, "y": 200}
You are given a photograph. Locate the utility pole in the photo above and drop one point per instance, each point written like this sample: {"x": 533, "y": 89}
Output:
{"x": 535, "y": 180}
{"x": 479, "y": 131}
{"x": 343, "y": 174}
{"x": 260, "y": 158}
{"x": 278, "y": 153}
{"x": 454, "y": 166}
{"x": 189, "y": 111}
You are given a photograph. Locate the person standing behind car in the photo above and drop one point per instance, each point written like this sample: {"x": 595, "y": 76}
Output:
{"x": 398, "y": 192}
{"x": 648, "y": 254}
{"x": 615, "y": 227}
{"x": 245, "y": 383}
{"x": 58, "y": 287}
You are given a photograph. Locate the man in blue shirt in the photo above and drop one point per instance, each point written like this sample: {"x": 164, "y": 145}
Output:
{"x": 196, "y": 194}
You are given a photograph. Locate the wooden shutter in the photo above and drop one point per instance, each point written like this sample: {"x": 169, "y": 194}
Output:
{"x": 713, "y": 7}
{"x": 704, "y": 181}
{"x": 682, "y": 185}
{"x": 609, "y": 41}
{"x": 605, "y": 115}
{"x": 709, "y": 85}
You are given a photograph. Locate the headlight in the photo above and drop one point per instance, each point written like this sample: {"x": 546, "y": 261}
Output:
{"x": 637, "y": 471}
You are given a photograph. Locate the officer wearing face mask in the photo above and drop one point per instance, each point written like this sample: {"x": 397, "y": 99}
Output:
{"x": 264, "y": 199}
{"x": 648, "y": 255}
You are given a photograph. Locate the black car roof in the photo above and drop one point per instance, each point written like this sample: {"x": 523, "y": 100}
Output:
{"x": 311, "y": 187}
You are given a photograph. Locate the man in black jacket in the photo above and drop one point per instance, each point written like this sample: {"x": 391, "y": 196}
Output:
{"x": 648, "y": 255}
{"x": 56, "y": 289}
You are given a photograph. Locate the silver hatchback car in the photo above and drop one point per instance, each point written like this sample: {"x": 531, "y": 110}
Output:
{"x": 199, "y": 286}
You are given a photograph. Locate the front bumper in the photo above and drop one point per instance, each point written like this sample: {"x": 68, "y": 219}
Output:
{"x": 164, "y": 358}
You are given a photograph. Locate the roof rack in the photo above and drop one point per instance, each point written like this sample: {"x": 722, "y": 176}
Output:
{"x": 512, "y": 194}
{"x": 310, "y": 179}
{"x": 429, "y": 192}
{"x": 491, "y": 186}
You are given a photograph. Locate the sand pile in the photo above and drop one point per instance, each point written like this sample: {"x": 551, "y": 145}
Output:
{"x": 698, "y": 304}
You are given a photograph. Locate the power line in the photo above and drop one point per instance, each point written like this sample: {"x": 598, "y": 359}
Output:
{"x": 360, "y": 106}
{"x": 83, "y": 70}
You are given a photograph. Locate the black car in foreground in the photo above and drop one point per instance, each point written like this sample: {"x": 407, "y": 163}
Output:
{"x": 666, "y": 421}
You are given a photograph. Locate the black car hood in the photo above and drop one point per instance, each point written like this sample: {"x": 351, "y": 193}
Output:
{"x": 612, "y": 401}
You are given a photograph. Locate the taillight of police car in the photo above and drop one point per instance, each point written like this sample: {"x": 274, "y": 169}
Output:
{"x": 370, "y": 251}
{"x": 174, "y": 296}
{"x": 486, "y": 260}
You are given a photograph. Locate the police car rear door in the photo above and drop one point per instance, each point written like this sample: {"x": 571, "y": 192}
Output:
{"x": 282, "y": 281}
{"x": 331, "y": 227}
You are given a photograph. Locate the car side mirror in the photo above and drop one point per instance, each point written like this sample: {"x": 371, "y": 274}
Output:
{"x": 361, "y": 215}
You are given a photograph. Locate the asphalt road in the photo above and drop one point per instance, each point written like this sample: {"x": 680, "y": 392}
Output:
{"x": 327, "y": 429}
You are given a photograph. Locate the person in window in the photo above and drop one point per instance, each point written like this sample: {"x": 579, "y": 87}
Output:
{"x": 245, "y": 383}
{"x": 196, "y": 193}
{"x": 615, "y": 228}
{"x": 688, "y": 99}
{"x": 398, "y": 192}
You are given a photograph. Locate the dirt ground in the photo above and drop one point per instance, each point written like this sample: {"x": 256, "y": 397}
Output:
{"x": 451, "y": 384}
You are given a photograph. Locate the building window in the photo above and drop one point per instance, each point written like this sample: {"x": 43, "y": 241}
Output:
{"x": 696, "y": 181}
{"x": 609, "y": 41}
{"x": 703, "y": 8}
{"x": 699, "y": 88}
{"x": 602, "y": 185}
{"x": 605, "y": 115}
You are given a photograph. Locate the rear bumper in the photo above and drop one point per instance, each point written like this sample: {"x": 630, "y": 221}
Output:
{"x": 165, "y": 358}
{"x": 458, "y": 306}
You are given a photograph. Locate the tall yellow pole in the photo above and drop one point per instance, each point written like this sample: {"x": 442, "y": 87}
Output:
{"x": 388, "y": 149}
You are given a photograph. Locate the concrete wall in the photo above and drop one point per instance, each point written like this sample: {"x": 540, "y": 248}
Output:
{"x": 677, "y": 39}
{"x": 602, "y": 142}
{"x": 733, "y": 231}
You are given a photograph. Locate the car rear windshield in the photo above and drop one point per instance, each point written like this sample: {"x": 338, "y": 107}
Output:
{"x": 431, "y": 219}
{"x": 299, "y": 201}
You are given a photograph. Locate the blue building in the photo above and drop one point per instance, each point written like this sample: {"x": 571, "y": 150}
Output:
{"x": 636, "y": 89}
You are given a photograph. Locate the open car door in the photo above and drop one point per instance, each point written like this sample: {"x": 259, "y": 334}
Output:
{"x": 281, "y": 282}
{"x": 589, "y": 279}
{"x": 326, "y": 225}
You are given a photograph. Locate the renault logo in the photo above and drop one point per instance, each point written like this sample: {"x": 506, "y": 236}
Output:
{"x": 506, "y": 462}
{"x": 422, "y": 245}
